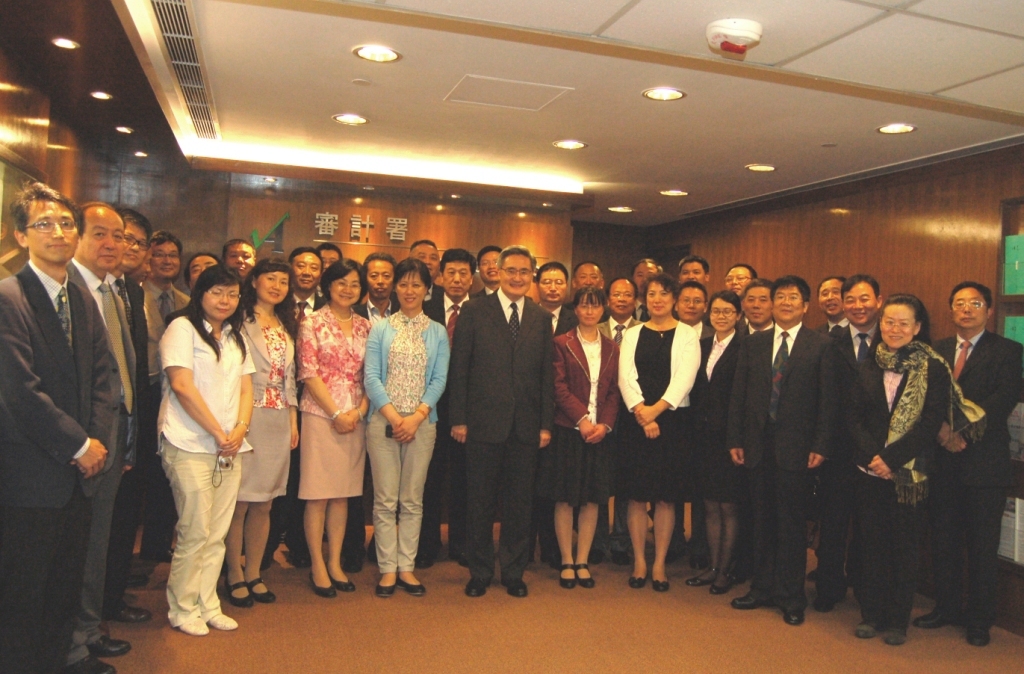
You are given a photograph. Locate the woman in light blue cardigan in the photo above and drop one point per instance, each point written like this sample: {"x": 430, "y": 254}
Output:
{"x": 406, "y": 369}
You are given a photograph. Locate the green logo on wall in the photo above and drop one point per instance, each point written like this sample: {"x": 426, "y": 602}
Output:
{"x": 275, "y": 236}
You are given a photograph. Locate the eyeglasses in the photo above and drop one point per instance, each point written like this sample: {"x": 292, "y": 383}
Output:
{"x": 221, "y": 294}
{"x": 737, "y": 279}
{"x": 691, "y": 302}
{"x": 488, "y": 263}
{"x": 166, "y": 256}
{"x": 727, "y": 313}
{"x": 50, "y": 226}
{"x": 960, "y": 305}
{"x": 622, "y": 296}
{"x": 902, "y": 326}
{"x": 517, "y": 272}
{"x": 132, "y": 242}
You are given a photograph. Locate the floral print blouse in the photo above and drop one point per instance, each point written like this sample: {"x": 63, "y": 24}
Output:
{"x": 407, "y": 362}
{"x": 277, "y": 349}
{"x": 325, "y": 352}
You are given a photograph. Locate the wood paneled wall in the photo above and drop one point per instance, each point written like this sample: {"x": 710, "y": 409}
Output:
{"x": 614, "y": 248}
{"x": 24, "y": 120}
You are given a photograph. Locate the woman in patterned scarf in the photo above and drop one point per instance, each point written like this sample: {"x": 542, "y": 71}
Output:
{"x": 406, "y": 372}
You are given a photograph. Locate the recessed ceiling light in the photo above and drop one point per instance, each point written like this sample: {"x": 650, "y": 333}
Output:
{"x": 620, "y": 209}
{"x": 521, "y": 214}
{"x": 125, "y": 129}
{"x": 830, "y": 144}
{"x": 101, "y": 95}
{"x": 358, "y": 200}
{"x": 663, "y": 94}
{"x": 268, "y": 179}
{"x": 456, "y": 196}
{"x": 674, "y": 193}
{"x": 569, "y": 144}
{"x": 140, "y": 153}
{"x": 898, "y": 127}
{"x": 349, "y": 119}
{"x": 65, "y": 43}
{"x": 839, "y": 211}
{"x": 376, "y": 53}
{"x": 760, "y": 168}
{"x": 439, "y": 207}
{"x": 368, "y": 188}
{"x": 547, "y": 204}
{"x": 360, "y": 82}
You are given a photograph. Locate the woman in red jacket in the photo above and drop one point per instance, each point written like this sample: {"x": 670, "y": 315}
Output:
{"x": 575, "y": 471}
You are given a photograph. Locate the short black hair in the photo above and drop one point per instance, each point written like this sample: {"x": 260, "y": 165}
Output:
{"x": 753, "y": 272}
{"x": 380, "y": 257}
{"x": 485, "y": 250}
{"x": 590, "y": 295}
{"x": 694, "y": 284}
{"x": 423, "y": 242}
{"x": 133, "y": 217}
{"x": 631, "y": 282}
{"x": 162, "y": 236}
{"x": 33, "y": 192}
{"x": 230, "y": 243}
{"x": 841, "y": 279}
{"x": 861, "y": 278}
{"x": 920, "y": 313}
{"x": 553, "y": 265}
{"x": 302, "y": 250}
{"x": 696, "y": 258}
{"x": 458, "y": 255}
{"x": 665, "y": 281}
{"x": 576, "y": 267}
{"x": 647, "y": 260}
{"x": 326, "y": 245}
{"x": 758, "y": 283}
{"x": 340, "y": 270}
{"x": 411, "y": 265}
{"x": 984, "y": 290}
{"x": 726, "y": 296}
{"x": 192, "y": 259}
{"x": 791, "y": 281}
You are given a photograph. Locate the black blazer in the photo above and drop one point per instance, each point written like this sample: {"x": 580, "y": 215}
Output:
{"x": 808, "y": 404}
{"x": 500, "y": 388}
{"x": 364, "y": 309}
{"x": 140, "y": 337}
{"x": 434, "y": 309}
{"x": 844, "y": 443}
{"x": 991, "y": 378}
{"x": 567, "y": 320}
{"x": 710, "y": 399}
{"x": 870, "y": 415}
{"x": 53, "y": 397}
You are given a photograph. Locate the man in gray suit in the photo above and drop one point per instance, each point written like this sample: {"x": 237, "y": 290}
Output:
{"x": 98, "y": 256}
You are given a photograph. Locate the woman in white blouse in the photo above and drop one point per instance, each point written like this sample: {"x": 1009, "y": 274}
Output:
{"x": 657, "y": 366}
{"x": 204, "y": 418}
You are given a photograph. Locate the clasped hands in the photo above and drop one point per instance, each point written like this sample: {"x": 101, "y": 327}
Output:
{"x": 460, "y": 431}
{"x": 951, "y": 440}
{"x": 229, "y": 443}
{"x": 813, "y": 460}
{"x": 645, "y": 416}
{"x": 93, "y": 460}
{"x": 592, "y": 433}
{"x": 403, "y": 429}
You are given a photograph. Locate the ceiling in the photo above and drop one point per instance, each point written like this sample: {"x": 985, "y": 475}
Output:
{"x": 483, "y": 88}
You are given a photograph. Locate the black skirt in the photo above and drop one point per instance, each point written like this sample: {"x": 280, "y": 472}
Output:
{"x": 652, "y": 470}
{"x": 571, "y": 471}
{"x": 718, "y": 478}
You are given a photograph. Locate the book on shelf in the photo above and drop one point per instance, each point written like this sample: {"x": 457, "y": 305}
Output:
{"x": 1011, "y": 539}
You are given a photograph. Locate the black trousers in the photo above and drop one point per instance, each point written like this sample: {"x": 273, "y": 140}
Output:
{"x": 838, "y": 561}
{"x": 542, "y": 525}
{"x": 506, "y": 469}
{"x": 446, "y": 476}
{"x": 41, "y": 570}
{"x": 889, "y": 544}
{"x": 965, "y": 522}
{"x": 160, "y": 515}
{"x": 124, "y": 526}
{"x": 780, "y": 525}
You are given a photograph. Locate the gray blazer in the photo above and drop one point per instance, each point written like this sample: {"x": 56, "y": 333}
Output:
{"x": 156, "y": 325}
{"x": 257, "y": 346}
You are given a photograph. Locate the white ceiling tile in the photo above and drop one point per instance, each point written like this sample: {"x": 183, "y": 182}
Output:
{"x": 790, "y": 26}
{"x": 1006, "y": 16}
{"x": 561, "y": 15}
{"x": 912, "y": 54}
{"x": 1005, "y": 91}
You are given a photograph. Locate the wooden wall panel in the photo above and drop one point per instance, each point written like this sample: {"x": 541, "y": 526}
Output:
{"x": 24, "y": 120}
{"x": 614, "y": 248}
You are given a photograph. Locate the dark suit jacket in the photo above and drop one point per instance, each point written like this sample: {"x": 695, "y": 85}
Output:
{"x": 572, "y": 381}
{"x": 870, "y": 415}
{"x": 567, "y": 320}
{"x": 364, "y": 309}
{"x": 845, "y": 440}
{"x": 710, "y": 398}
{"x": 808, "y": 405}
{"x": 991, "y": 378}
{"x": 53, "y": 397}
{"x": 499, "y": 388}
{"x": 140, "y": 336}
{"x": 434, "y": 309}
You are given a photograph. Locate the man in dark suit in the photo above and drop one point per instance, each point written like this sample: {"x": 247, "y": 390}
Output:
{"x": 55, "y": 405}
{"x": 457, "y": 267}
{"x": 97, "y": 257}
{"x": 781, "y": 419}
{"x": 971, "y": 479}
{"x": 643, "y": 270}
{"x": 487, "y": 265}
{"x": 830, "y": 301}
{"x": 502, "y": 405}
{"x": 839, "y": 567}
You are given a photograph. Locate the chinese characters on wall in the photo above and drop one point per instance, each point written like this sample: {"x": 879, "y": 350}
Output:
{"x": 327, "y": 224}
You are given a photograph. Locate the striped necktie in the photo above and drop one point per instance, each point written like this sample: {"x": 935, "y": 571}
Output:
{"x": 110, "y": 315}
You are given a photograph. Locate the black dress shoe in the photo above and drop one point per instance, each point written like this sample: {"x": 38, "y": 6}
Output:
{"x": 700, "y": 561}
{"x": 384, "y": 590}
{"x": 702, "y": 580}
{"x": 131, "y": 614}
{"x": 240, "y": 602}
{"x": 823, "y": 604}
{"x": 977, "y": 636}
{"x": 137, "y": 580}
{"x": 595, "y": 557}
{"x": 620, "y": 557}
{"x": 586, "y": 583}
{"x": 326, "y": 592}
{"x": 567, "y": 583}
{"x": 793, "y": 617}
{"x": 416, "y": 590}
{"x": 105, "y": 647}
{"x": 721, "y": 589}
{"x": 476, "y": 587}
{"x": 342, "y": 585}
{"x": 659, "y": 585}
{"x": 352, "y": 565}
{"x": 267, "y": 597}
{"x": 515, "y": 588}
{"x": 637, "y": 583}
{"x": 749, "y": 601}
{"x": 933, "y": 620}
{"x": 89, "y": 665}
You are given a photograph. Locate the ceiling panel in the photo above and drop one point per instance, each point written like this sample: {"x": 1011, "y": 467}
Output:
{"x": 790, "y": 26}
{"x": 563, "y": 15}
{"x": 1006, "y": 16}
{"x": 912, "y": 54}
{"x": 1005, "y": 91}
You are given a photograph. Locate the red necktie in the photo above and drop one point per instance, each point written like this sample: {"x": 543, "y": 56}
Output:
{"x": 961, "y": 360}
{"x": 452, "y": 320}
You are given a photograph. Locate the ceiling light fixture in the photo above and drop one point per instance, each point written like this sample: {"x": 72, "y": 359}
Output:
{"x": 898, "y": 127}
{"x": 358, "y": 200}
{"x": 125, "y": 129}
{"x": 663, "y": 94}
{"x": 349, "y": 119}
{"x": 270, "y": 180}
{"x": 569, "y": 144}
{"x": 839, "y": 211}
{"x": 620, "y": 209}
{"x": 368, "y": 188}
{"x": 376, "y": 53}
{"x": 521, "y": 214}
{"x": 140, "y": 153}
{"x": 456, "y": 196}
{"x": 674, "y": 193}
{"x": 65, "y": 43}
{"x": 760, "y": 168}
{"x": 439, "y": 207}
{"x": 101, "y": 95}
{"x": 830, "y": 145}
{"x": 547, "y": 204}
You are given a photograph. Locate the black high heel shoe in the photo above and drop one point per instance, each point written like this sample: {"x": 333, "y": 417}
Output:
{"x": 325, "y": 592}
{"x": 342, "y": 586}
{"x": 567, "y": 583}
{"x": 587, "y": 583}
{"x": 722, "y": 589}
{"x": 703, "y": 579}
{"x": 637, "y": 583}
{"x": 267, "y": 597}
{"x": 659, "y": 585}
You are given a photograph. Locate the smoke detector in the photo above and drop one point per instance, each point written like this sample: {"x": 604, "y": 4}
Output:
{"x": 733, "y": 36}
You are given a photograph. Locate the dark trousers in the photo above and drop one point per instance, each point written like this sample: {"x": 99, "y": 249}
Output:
{"x": 41, "y": 569}
{"x": 836, "y": 496}
{"x": 542, "y": 524}
{"x": 965, "y": 521}
{"x": 124, "y": 525}
{"x": 160, "y": 515}
{"x": 506, "y": 469}
{"x": 889, "y": 546}
{"x": 780, "y": 525}
{"x": 447, "y": 469}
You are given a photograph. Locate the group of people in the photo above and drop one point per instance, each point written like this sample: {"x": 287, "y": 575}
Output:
{"x": 242, "y": 415}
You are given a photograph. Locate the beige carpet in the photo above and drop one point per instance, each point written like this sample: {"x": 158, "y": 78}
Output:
{"x": 611, "y": 628}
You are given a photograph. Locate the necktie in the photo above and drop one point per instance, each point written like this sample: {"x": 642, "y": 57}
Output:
{"x": 777, "y": 366}
{"x": 166, "y": 304}
{"x": 961, "y": 359}
{"x": 862, "y": 348}
{"x": 452, "y": 320}
{"x": 618, "y": 334}
{"x": 513, "y": 322}
{"x": 303, "y": 306}
{"x": 122, "y": 292}
{"x": 64, "y": 314}
{"x": 117, "y": 342}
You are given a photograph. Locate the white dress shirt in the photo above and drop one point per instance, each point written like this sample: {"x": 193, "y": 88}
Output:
{"x": 506, "y": 305}
{"x": 717, "y": 349}
{"x": 970, "y": 351}
{"x": 843, "y": 322}
{"x": 789, "y": 341}
{"x": 310, "y": 303}
{"x": 94, "y": 282}
{"x": 854, "y": 331}
{"x": 449, "y": 304}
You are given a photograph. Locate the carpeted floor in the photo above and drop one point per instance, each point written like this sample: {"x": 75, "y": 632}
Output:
{"x": 610, "y": 628}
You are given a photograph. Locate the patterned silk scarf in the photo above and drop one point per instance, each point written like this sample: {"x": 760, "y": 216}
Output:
{"x": 964, "y": 416}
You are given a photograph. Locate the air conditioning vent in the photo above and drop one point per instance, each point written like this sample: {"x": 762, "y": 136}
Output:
{"x": 172, "y": 16}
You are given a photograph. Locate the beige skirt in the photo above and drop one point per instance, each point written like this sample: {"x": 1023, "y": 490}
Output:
{"x": 266, "y": 467}
{"x": 331, "y": 464}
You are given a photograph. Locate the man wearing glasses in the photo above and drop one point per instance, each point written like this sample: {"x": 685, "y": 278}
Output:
{"x": 501, "y": 383}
